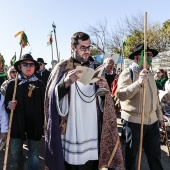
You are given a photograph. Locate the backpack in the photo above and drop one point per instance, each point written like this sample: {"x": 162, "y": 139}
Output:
{"x": 114, "y": 87}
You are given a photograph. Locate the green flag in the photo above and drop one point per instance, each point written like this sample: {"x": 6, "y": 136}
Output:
{"x": 13, "y": 60}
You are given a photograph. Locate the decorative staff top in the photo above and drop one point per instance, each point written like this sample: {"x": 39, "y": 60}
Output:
{"x": 23, "y": 39}
{"x": 54, "y": 26}
{"x": 50, "y": 38}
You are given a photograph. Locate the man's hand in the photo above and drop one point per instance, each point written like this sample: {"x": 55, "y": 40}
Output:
{"x": 161, "y": 123}
{"x": 101, "y": 82}
{"x": 71, "y": 77}
{"x": 4, "y": 136}
{"x": 143, "y": 77}
{"x": 12, "y": 105}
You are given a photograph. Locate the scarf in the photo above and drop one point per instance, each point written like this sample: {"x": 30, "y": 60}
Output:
{"x": 161, "y": 81}
{"x": 41, "y": 72}
{"x": 136, "y": 67}
{"x": 3, "y": 74}
{"x": 23, "y": 80}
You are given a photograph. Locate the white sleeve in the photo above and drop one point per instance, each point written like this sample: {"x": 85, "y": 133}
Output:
{"x": 3, "y": 116}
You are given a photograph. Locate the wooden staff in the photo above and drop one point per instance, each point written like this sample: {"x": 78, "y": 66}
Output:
{"x": 54, "y": 27}
{"x": 122, "y": 58}
{"x": 144, "y": 92}
{"x": 52, "y": 52}
{"x": 11, "y": 117}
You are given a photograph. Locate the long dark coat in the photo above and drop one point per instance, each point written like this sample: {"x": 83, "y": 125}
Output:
{"x": 28, "y": 117}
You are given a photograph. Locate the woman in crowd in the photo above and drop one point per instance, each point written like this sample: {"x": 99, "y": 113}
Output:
{"x": 161, "y": 79}
{"x": 11, "y": 75}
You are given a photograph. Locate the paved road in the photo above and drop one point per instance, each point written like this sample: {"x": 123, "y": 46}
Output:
{"x": 144, "y": 164}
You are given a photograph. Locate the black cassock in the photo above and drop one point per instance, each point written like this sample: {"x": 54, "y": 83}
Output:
{"x": 28, "y": 117}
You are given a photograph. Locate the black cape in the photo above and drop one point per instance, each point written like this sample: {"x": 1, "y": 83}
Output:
{"x": 28, "y": 117}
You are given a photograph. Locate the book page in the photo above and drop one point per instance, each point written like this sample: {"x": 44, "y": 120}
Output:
{"x": 86, "y": 75}
{"x": 98, "y": 72}
{"x": 89, "y": 75}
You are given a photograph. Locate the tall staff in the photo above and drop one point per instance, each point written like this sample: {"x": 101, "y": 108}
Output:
{"x": 50, "y": 42}
{"x": 54, "y": 27}
{"x": 144, "y": 92}
{"x": 23, "y": 43}
{"x": 123, "y": 49}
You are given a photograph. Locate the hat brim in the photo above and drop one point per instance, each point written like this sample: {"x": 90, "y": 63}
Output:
{"x": 17, "y": 63}
{"x": 42, "y": 62}
{"x": 154, "y": 52}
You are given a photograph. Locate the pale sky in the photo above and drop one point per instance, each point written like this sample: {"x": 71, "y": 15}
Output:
{"x": 35, "y": 17}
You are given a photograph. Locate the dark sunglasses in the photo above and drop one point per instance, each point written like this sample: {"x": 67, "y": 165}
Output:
{"x": 25, "y": 64}
{"x": 13, "y": 72}
{"x": 149, "y": 54}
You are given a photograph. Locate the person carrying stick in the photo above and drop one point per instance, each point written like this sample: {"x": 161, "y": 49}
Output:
{"x": 28, "y": 117}
{"x": 130, "y": 93}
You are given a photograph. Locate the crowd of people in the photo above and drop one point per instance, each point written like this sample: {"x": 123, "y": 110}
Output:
{"x": 81, "y": 128}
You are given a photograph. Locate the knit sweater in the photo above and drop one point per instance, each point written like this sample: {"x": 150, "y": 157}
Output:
{"x": 131, "y": 94}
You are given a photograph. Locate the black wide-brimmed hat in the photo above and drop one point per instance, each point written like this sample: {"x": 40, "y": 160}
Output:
{"x": 24, "y": 58}
{"x": 139, "y": 48}
{"x": 40, "y": 60}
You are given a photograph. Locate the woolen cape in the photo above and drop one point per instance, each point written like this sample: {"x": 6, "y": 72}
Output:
{"x": 54, "y": 159}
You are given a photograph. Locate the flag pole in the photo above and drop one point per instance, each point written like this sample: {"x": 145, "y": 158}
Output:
{"x": 11, "y": 117}
{"x": 122, "y": 58}
{"x": 144, "y": 92}
{"x": 23, "y": 43}
{"x": 52, "y": 51}
{"x": 54, "y": 27}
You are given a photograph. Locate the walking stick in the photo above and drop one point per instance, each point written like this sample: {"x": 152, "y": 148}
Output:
{"x": 144, "y": 92}
{"x": 23, "y": 43}
{"x": 54, "y": 27}
{"x": 10, "y": 121}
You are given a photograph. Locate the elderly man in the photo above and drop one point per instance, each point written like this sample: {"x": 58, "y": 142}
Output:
{"x": 110, "y": 71}
{"x": 28, "y": 118}
{"x": 130, "y": 93}
{"x": 84, "y": 141}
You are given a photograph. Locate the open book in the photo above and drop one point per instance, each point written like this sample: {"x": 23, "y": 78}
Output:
{"x": 89, "y": 75}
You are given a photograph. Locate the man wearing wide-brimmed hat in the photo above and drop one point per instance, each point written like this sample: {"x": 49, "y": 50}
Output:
{"x": 130, "y": 93}
{"x": 42, "y": 73}
{"x": 28, "y": 109}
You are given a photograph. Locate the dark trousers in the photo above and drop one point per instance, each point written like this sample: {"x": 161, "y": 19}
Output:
{"x": 90, "y": 165}
{"x": 151, "y": 145}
